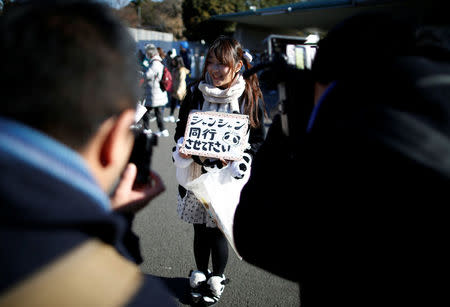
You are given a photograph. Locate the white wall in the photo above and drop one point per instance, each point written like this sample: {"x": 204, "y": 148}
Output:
{"x": 148, "y": 35}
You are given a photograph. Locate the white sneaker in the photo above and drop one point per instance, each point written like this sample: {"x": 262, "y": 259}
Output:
{"x": 171, "y": 119}
{"x": 166, "y": 119}
{"x": 147, "y": 131}
{"x": 165, "y": 133}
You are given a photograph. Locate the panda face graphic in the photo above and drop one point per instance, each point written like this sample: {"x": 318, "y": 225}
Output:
{"x": 231, "y": 138}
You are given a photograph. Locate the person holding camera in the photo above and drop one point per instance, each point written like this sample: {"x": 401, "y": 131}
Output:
{"x": 67, "y": 191}
{"x": 222, "y": 89}
{"x": 353, "y": 212}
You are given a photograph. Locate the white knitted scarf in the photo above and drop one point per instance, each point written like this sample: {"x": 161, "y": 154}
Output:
{"x": 219, "y": 100}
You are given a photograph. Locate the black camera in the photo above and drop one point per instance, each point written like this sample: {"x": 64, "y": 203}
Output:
{"x": 141, "y": 154}
{"x": 285, "y": 67}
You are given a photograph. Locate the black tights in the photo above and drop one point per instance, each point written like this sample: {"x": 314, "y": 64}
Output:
{"x": 159, "y": 117}
{"x": 210, "y": 241}
{"x": 173, "y": 104}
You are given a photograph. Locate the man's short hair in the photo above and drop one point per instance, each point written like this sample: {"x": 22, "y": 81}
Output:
{"x": 66, "y": 66}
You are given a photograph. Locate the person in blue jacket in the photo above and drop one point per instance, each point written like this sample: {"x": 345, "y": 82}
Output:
{"x": 185, "y": 54}
{"x": 65, "y": 141}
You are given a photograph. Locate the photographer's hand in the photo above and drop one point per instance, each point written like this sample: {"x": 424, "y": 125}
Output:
{"x": 131, "y": 198}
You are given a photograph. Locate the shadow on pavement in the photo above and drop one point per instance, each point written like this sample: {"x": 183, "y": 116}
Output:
{"x": 179, "y": 286}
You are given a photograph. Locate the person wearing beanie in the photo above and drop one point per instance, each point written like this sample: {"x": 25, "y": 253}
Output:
{"x": 155, "y": 97}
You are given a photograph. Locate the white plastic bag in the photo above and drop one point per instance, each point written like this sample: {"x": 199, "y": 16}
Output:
{"x": 140, "y": 111}
{"x": 220, "y": 192}
{"x": 185, "y": 175}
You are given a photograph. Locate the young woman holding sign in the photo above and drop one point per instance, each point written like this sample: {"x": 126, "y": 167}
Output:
{"x": 221, "y": 88}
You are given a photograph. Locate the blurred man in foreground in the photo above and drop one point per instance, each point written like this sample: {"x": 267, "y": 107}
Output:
{"x": 68, "y": 87}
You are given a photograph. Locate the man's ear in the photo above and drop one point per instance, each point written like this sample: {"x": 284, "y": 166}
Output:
{"x": 108, "y": 150}
{"x": 117, "y": 144}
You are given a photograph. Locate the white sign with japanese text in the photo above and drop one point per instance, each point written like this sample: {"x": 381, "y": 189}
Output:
{"x": 216, "y": 135}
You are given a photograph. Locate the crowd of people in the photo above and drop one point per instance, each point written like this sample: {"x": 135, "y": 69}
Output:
{"x": 354, "y": 191}
{"x": 156, "y": 98}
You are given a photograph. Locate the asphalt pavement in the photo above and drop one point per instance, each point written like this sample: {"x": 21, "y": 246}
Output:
{"x": 166, "y": 243}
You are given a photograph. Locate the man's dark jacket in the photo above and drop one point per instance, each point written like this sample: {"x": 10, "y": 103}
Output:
{"x": 355, "y": 210}
{"x": 44, "y": 219}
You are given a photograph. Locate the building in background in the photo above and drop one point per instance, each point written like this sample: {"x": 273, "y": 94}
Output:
{"x": 312, "y": 17}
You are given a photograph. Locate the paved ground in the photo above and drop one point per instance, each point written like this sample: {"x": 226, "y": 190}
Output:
{"x": 166, "y": 243}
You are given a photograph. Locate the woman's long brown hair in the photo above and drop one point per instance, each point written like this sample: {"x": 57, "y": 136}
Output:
{"x": 229, "y": 52}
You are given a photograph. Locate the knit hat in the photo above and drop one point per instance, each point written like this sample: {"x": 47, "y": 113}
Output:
{"x": 184, "y": 44}
{"x": 151, "y": 50}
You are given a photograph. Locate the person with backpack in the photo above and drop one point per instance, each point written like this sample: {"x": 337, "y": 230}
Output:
{"x": 155, "y": 97}
{"x": 166, "y": 80}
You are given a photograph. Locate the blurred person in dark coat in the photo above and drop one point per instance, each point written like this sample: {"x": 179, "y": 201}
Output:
{"x": 354, "y": 210}
{"x": 65, "y": 141}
